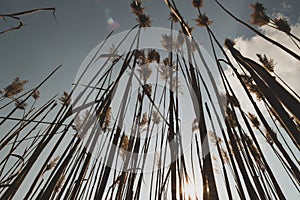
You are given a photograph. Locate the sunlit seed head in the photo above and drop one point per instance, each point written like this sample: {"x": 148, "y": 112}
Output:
{"x": 16, "y": 87}
{"x": 268, "y": 64}
{"x": 36, "y": 94}
{"x": 258, "y": 15}
{"x": 65, "y": 99}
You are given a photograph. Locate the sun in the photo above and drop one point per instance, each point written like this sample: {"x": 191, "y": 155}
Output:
{"x": 190, "y": 191}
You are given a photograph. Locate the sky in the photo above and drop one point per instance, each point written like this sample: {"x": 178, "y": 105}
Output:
{"x": 44, "y": 43}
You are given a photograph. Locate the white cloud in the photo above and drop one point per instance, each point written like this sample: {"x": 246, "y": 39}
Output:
{"x": 287, "y": 67}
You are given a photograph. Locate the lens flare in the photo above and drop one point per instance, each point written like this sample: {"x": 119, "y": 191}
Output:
{"x": 112, "y": 24}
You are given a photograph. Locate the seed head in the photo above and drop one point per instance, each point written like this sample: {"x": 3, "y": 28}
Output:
{"x": 14, "y": 88}
{"x": 268, "y": 64}
{"x": 282, "y": 24}
{"x": 144, "y": 20}
{"x": 153, "y": 56}
{"x": 36, "y": 94}
{"x": 198, "y": 3}
{"x": 65, "y": 99}
{"x": 258, "y": 15}
{"x": 229, "y": 43}
{"x": 136, "y": 7}
{"x": 52, "y": 163}
{"x": 173, "y": 18}
{"x": 155, "y": 117}
{"x": 203, "y": 20}
{"x": 145, "y": 72}
{"x": 254, "y": 120}
{"x": 20, "y": 105}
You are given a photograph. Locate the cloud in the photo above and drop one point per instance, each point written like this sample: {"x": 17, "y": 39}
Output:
{"x": 287, "y": 67}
